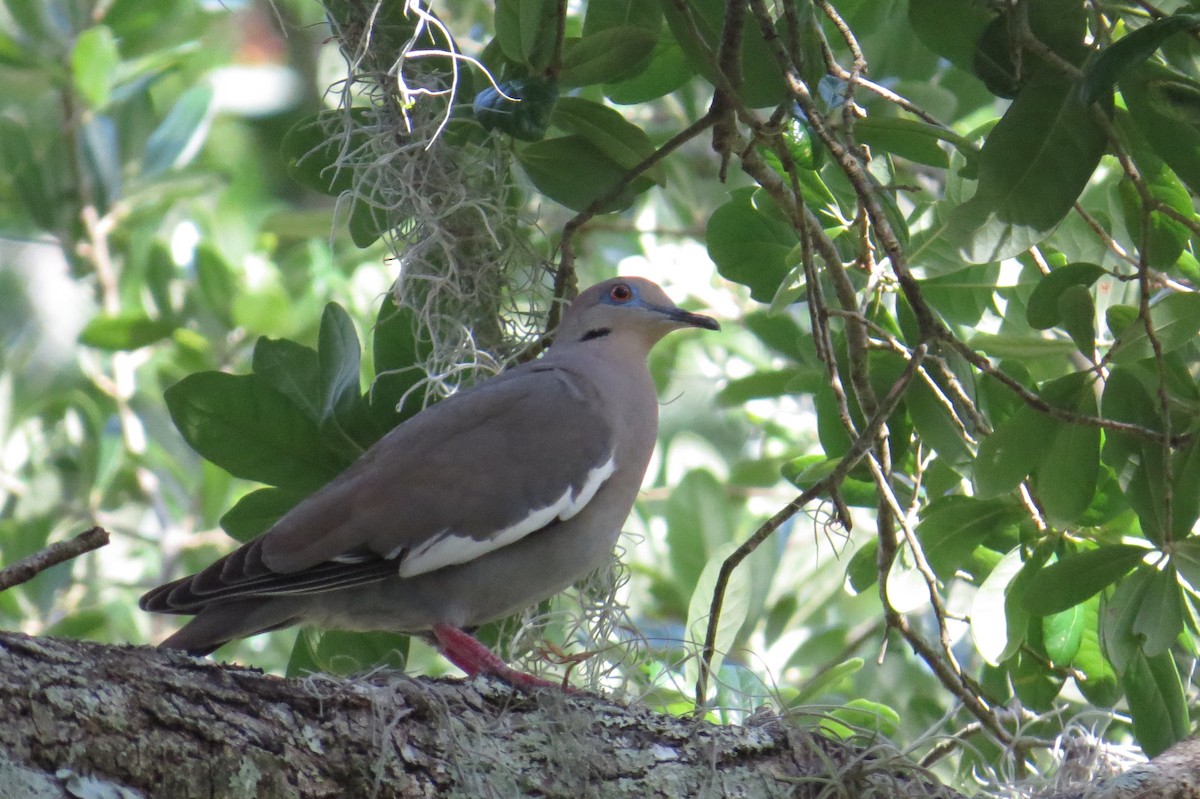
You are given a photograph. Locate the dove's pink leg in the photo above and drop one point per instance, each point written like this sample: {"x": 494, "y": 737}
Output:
{"x": 464, "y": 651}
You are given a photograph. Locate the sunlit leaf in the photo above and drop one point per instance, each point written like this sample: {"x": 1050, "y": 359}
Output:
{"x": 733, "y": 612}
{"x": 94, "y": 62}
{"x": 997, "y": 633}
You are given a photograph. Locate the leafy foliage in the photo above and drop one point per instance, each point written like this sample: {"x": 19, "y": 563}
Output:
{"x": 966, "y": 301}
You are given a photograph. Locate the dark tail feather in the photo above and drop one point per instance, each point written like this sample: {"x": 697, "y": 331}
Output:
{"x": 221, "y": 622}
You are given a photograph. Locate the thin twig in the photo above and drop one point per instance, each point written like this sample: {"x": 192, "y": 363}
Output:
{"x": 1037, "y": 403}
{"x": 28, "y": 568}
{"x": 565, "y": 278}
{"x": 858, "y": 449}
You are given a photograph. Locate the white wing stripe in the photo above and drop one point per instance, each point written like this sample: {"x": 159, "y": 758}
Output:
{"x": 448, "y": 549}
{"x": 596, "y": 478}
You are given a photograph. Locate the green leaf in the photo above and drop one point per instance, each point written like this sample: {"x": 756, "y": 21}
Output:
{"x": 750, "y": 243}
{"x": 908, "y": 138}
{"x": 1118, "y": 613}
{"x": 667, "y": 70}
{"x": 733, "y": 612}
{"x": 862, "y": 571}
{"x": 1168, "y": 238}
{"x": 1060, "y": 25}
{"x": 339, "y": 357}
{"x": 1034, "y": 684}
{"x": 1159, "y": 619}
{"x": 215, "y": 280}
{"x": 525, "y": 30}
{"x": 1078, "y": 313}
{"x": 775, "y": 383}
{"x": 1185, "y": 557}
{"x": 1047, "y": 130}
{"x": 1106, "y": 68}
{"x": 1066, "y": 475}
{"x": 782, "y": 334}
{"x": 344, "y": 652}
{"x": 860, "y": 715}
{"x": 602, "y": 15}
{"x": 1020, "y": 347}
{"x": 1042, "y": 310}
{"x": 952, "y": 527}
{"x": 698, "y": 524}
{"x": 1176, "y": 321}
{"x": 1185, "y": 507}
{"x": 23, "y": 171}
{"x": 1062, "y": 634}
{"x": 1076, "y": 577}
{"x": 177, "y": 139}
{"x": 1165, "y": 105}
{"x": 397, "y": 355}
{"x": 314, "y": 147}
{"x": 826, "y": 681}
{"x": 998, "y": 622}
{"x": 249, "y": 429}
{"x": 932, "y": 419}
{"x": 1015, "y": 447}
{"x": 1125, "y": 399}
{"x": 762, "y": 82}
{"x": 950, "y": 28}
{"x": 293, "y": 370}
{"x": 1156, "y": 702}
{"x": 574, "y": 172}
{"x": 100, "y": 158}
{"x": 127, "y": 331}
{"x": 86, "y": 624}
{"x": 1099, "y": 683}
{"x": 367, "y": 222}
{"x": 13, "y": 54}
{"x": 619, "y": 139}
{"x": 609, "y": 56}
{"x": 257, "y": 511}
{"x": 94, "y": 62}
{"x": 805, "y": 471}
{"x": 964, "y": 296}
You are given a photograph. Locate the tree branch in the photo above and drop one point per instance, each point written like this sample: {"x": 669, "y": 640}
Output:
{"x": 80, "y": 714}
{"x": 28, "y": 568}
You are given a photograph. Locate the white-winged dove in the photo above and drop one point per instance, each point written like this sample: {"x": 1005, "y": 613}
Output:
{"x": 478, "y": 507}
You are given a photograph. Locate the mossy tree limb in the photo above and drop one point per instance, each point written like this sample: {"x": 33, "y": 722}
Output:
{"x": 164, "y": 725}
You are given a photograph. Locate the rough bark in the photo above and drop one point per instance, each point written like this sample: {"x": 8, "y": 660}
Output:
{"x": 1174, "y": 774}
{"x": 85, "y": 719}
